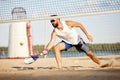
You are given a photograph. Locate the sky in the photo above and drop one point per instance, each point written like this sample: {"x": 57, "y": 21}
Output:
{"x": 45, "y": 8}
{"x": 103, "y": 28}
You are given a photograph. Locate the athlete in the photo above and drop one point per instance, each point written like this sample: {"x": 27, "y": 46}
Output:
{"x": 70, "y": 38}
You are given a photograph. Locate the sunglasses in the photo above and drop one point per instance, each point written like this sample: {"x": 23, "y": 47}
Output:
{"x": 52, "y": 20}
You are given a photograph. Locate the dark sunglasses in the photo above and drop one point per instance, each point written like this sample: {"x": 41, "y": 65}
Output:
{"x": 52, "y": 20}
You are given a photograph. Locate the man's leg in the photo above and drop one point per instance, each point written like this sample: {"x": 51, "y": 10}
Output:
{"x": 93, "y": 57}
{"x": 96, "y": 60}
{"x": 57, "y": 49}
{"x": 82, "y": 46}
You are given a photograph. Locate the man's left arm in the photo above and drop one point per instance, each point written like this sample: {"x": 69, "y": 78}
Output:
{"x": 77, "y": 24}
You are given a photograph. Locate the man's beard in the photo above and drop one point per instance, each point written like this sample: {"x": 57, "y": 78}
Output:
{"x": 55, "y": 25}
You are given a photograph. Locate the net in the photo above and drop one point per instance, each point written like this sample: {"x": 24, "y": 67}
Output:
{"x": 42, "y": 9}
{"x": 18, "y": 13}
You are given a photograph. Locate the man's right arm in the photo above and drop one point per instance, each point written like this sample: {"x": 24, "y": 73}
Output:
{"x": 51, "y": 42}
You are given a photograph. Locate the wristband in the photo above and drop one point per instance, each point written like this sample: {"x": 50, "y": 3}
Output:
{"x": 46, "y": 49}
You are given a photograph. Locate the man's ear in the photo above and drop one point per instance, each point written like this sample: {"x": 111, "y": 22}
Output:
{"x": 58, "y": 19}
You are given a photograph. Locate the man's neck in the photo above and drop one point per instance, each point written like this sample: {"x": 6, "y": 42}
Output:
{"x": 60, "y": 26}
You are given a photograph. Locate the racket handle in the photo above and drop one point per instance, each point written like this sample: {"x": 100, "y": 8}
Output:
{"x": 35, "y": 57}
{"x": 42, "y": 55}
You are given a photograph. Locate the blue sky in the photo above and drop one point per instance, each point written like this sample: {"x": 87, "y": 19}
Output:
{"x": 103, "y": 28}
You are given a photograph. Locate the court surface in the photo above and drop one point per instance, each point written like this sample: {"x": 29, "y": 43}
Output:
{"x": 101, "y": 74}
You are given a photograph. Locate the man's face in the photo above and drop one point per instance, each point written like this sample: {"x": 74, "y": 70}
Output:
{"x": 54, "y": 23}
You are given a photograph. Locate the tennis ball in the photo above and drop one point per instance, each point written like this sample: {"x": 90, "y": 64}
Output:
{"x": 76, "y": 61}
{"x": 21, "y": 43}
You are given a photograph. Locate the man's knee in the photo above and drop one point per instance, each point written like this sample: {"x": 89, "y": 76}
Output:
{"x": 90, "y": 54}
{"x": 56, "y": 48}
{"x": 59, "y": 47}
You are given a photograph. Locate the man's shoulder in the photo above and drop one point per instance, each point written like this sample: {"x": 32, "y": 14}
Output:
{"x": 70, "y": 22}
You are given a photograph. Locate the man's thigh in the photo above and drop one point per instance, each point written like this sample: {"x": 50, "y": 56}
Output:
{"x": 63, "y": 46}
{"x": 60, "y": 46}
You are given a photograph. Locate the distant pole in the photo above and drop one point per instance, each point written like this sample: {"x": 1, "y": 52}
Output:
{"x": 18, "y": 42}
{"x": 29, "y": 38}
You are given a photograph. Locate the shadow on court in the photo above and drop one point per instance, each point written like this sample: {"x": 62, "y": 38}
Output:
{"x": 18, "y": 68}
{"x": 101, "y": 74}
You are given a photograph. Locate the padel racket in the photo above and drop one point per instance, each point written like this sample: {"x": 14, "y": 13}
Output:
{"x": 32, "y": 58}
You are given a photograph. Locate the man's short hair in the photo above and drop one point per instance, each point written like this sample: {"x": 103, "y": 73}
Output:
{"x": 53, "y": 15}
